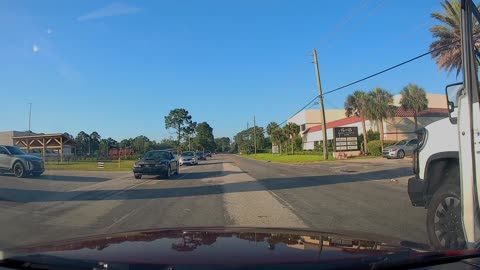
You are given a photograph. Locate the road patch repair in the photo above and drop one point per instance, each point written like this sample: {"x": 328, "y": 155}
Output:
{"x": 249, "y": 203}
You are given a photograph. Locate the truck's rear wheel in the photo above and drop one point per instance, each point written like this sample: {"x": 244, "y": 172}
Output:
{"x": 444, "y": 219}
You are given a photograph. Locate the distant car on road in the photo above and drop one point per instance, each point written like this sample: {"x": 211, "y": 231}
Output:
{"x": 12, "y": 159}
{"x": 400, "y": 149}
{"x": 208, "y": 153}
{"x": 156, "y": 162}
{"x": 188, "y": 158}
{"x": 201, "y": 155}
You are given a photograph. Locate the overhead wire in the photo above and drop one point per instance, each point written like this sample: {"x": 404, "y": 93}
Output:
{"x": 376, "y": 74}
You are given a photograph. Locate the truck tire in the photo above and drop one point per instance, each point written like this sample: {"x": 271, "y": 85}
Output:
{"x": 19, "y": 170}
{"x": 444, "y": 219}
{"x": 137, "y": 176}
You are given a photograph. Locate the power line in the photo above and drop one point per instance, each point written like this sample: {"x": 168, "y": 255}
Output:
{"x": 375, "y": 74}
{"x": 390, "y": 68}
{"x": 346, "y": 20}
{"x": 313, "y": 99}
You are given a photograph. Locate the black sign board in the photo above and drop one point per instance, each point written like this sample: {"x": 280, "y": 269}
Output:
{"x": 345, "y": 139}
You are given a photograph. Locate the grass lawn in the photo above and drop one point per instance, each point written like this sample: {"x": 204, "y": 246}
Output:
{"x": 298, "y": 158}
{"x": 287, "y": 158}
{"x": 125, "y": 165}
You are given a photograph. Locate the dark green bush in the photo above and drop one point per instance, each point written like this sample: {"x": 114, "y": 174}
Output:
{"x": 375, "y": 146}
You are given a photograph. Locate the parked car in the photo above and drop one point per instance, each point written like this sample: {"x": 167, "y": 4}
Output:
{"x": 156, "y": 162}
{"x": 188, "y": 158}
{"x": 201, "y": 155}
{"x": 12, "y": 159}
{"x": 208, "y": 153}
{"x": 400, "y": 149}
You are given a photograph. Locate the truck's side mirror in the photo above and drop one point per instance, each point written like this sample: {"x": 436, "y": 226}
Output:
{"x": 453, "y": 91}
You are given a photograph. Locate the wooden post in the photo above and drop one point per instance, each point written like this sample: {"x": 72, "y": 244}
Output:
{"x": 61, "y": 149}
{"x": 44, "y": 149}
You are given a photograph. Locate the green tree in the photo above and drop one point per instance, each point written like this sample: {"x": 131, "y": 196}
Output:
{"x": 292, "y": 130}
{"x": 414, "y": 98}
{"x": 82, "y": 141}
{"x": 448, "y": 34}
{"x": 278, "y": 138}
{"x": 380, "y": 108}
{"x": 357, "y": 104}
{"x": 141, "y": 144}
{"x": 103, "y": 150}
{"x": 245, "y": 139}
{"x": 126, "y": 143}
{"x": 204, "y": 137}
{"x": 222, "y": 144}
{"x": 94, "y": 142}
{"x": 271, "y": 127}
{"x": 178, "y": 119}
{"x": 189, "y": 131}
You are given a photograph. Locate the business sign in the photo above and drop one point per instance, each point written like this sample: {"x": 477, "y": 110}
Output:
{"x": 345, "y": 139}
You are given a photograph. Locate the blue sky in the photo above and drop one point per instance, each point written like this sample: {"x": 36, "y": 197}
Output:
{"x": 119, "y": 67}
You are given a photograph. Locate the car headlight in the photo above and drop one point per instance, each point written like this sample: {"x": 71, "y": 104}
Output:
{"x": 422, "y": 135}
{"x": 136, "y": 165}
{"x": 393, "y": 150}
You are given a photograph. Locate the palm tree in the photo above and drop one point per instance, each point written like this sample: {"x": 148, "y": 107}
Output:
{"x": 448, "y": 34}
{"x": 292, "y": 130}
{"x": 356, "y": 104}
{"x": 380, "y": 107}
{"x": 271, "y": 127}
{"x": 414, "y": 98}
{"x": 279, "y": 137}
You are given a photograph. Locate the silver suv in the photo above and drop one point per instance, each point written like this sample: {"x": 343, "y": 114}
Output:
{"x": 12, "y": 159}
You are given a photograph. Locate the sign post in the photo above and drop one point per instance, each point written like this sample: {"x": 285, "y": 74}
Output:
{"x": 346, "y": 139}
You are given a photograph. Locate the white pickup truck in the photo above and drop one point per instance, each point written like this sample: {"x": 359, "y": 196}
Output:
{"x": 436, "y": 185}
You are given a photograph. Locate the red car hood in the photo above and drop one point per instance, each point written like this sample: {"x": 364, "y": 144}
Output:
{"x": 215, "y": 246}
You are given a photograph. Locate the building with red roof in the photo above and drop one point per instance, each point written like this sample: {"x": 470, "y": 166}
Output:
{"x": 401, "y": 126}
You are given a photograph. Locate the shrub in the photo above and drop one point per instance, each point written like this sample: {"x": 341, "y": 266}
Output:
{"x": 375, "y": 146}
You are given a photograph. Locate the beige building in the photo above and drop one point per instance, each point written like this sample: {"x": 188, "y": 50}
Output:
{"x": 309, "y": 118}
{"x": 401, "y": 126}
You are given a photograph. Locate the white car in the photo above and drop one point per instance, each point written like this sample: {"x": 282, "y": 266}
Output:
{"x": 188, "y": 158}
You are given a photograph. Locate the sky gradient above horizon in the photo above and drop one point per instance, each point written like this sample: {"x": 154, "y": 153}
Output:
{"x": 119, "y": 67}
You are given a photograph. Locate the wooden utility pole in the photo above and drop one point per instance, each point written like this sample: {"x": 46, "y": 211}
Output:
{"x": 322, "y": 108}
{"x": 255, "y": 134}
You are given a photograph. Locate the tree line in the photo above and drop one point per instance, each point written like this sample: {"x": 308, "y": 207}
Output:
{"x": 189, "y": 135}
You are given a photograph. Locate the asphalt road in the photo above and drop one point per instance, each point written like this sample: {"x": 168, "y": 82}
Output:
{"x": 223, "y": 191}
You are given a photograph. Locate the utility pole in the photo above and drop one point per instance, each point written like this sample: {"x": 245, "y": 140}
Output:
{"x": 30, "y": 119}
{"x": 324, "y": 125}
{"x": 255, "y": 134}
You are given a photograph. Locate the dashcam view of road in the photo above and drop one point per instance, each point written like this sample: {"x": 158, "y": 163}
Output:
{"x": 225, "y": 190}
